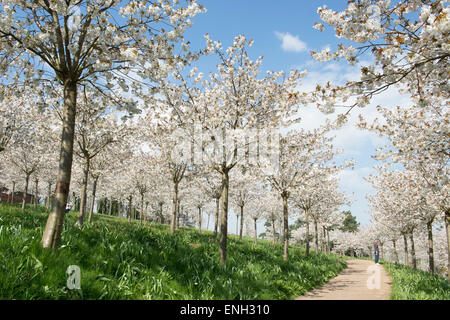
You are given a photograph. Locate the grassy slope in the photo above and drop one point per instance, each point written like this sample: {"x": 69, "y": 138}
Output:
{"x": 122, "y": 261}
{"x": 409, "y": 284}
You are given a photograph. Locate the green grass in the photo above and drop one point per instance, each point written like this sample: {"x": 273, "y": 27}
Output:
{"x": 125, "y": 261}
{"x": 410, "y": 284}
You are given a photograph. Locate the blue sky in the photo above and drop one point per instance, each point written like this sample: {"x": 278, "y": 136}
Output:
{"x": 283, "y": 34}
{"x": 260, "y": 20}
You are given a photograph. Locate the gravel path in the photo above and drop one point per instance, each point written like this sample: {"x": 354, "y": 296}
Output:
{"x": 361, "y": 280}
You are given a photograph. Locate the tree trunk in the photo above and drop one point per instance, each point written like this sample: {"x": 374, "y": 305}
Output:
{"x": 394, "y": 244}
{"x": 413, "y": 251}
{"x": 316, "y": 236}
{"x": 36, "y": 187}
{"x": 13, "y": 191}
{"x": 273, "y": 232}
{"x": 87, "y": 162}
{"x": 430, "y": 246}
{"x": 280, "y": 238}
{"x": 447, "y": 230}
{"x": 119, "y": 208}
{"x": 285, "y": 227}
{"x": 141, "y": 215}
{"x": 53, "y": 228}
{"x": 256, "y": 231}
{"x": 24, "y": 197}
{"x": 324, "y": 240}
{"x": 94, "y": 191}
{"x": 106, "y": 205}
{"x": 200, "y": 218}
{"x": 110, "y": 206}
{"x": 49, "y": 195}
{"x": 307, "y": 232}
{"x": 74, "y": 200}
{"x": 186, "y": 216}
{"x": 405, "y": 241}
{"x": 328, "y": 242}
{"x": 242, "y": 223}
{"x": 161, "y": 217}
{"x": 216, "y": 223}
{"x": 184, "y": 213}
{"x": 224, "y": 217}
{"x": 130, "y": 198}
{"x": 178, "y": 214}
{"x": 175, "y": 205}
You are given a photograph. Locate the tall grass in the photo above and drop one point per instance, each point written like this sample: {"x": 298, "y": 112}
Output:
{"x": 127, "y": 261}
{"x": 410, "y": 284}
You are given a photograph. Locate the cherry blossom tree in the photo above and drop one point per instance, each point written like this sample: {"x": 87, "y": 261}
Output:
{"x": 219, "y": 119}
{"x": 15, "y": 120}
{"x": 419, "y": 143}
{"x": 344, "y": 241}
{"x": 392, "y": 198}
{"x": 198, "y": 201}
{"x": 75, "y": 42}
{"x": 28, "y": 152}
{"x": 48, "y": 172}
{"x": 94, "y": 131}
{"x": 243, "y": 184}
{"x": 101, "y": 166}
{"x": 383, "y": 224}
{"x": 417, "y": 199}
{"x": 407, "y": 40}
{"x": 11, "y": 177}
{"x": 273, "y": 212}
{"x": 163, "y": 140}
{"x": 302, "y": 157}
{"x": 210, "y": 184}
{"x": 260, "y": 206}
{"x": 319, "y": 198}
{"x": 331, "y": 221}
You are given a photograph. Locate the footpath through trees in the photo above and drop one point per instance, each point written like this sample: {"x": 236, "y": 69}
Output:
{"x": 361, "y": 280}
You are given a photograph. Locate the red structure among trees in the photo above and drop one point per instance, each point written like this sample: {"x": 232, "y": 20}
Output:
{"x": 6, "y": 196}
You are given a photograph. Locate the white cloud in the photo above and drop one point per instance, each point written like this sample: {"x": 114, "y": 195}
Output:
{"x": 352, "y": 182}
{"x": 333, "y": 67}
{"x": 350, "y": 138}
{"x": 354, "y": 179}
{"x": 290, "y": 42}
{"x": 357, "y": 144}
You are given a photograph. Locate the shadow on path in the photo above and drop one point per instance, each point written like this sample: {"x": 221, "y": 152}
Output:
{"x": 362, "y": 280}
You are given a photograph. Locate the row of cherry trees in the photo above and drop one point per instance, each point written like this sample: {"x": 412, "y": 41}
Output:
{"x": 130, "y": 163}
{"x": 231, "y": 121}
{"x": 115, "y": 85}
{"x": 408, "y": 43}
{"x": 412, "y": 186}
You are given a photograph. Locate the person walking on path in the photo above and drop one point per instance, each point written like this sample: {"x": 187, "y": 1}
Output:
{"x": 377, "y": 251}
